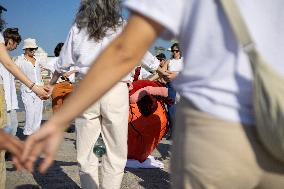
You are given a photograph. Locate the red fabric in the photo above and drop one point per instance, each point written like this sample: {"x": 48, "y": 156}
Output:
{"x": 141, "y": 88}
{"x": 145, "y": 132}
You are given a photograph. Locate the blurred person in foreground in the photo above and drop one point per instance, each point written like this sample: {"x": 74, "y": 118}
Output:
{"x": 8, "y": 142}
{"x": 215, "y": 143}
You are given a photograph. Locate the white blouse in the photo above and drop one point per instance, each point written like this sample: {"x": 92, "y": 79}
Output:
{"x": 32, "y": 71}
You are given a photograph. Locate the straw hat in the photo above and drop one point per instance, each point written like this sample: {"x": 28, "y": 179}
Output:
{"x": 30, "y": 43}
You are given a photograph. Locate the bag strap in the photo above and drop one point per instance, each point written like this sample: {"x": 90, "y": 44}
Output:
{"x": 238, "y": 25}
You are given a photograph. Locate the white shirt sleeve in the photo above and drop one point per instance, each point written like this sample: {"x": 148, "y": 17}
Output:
{"x": 168, "y": 13}
{"x": 2, "y": 39}
{"x": 150, "y": 62}
{"x": 66, "y": 58}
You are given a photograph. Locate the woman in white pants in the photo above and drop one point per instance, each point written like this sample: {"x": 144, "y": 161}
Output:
{"x": 33, "y": 104}
{"x": 96, "y": 24}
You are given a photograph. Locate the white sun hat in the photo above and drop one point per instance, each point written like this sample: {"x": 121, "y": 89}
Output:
{"x": 30, "y": 43}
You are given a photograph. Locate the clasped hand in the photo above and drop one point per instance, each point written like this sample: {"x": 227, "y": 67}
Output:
{"x": 45, "y": 141}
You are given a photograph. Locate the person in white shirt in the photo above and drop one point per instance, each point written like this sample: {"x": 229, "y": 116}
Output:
{"x": 64, "y": 84}
{"x": 29, "y": 65}
{"x": 9, "y": 142}
{"x": 96, "y": 25}
{"x": 174, "y": 67}
{"x": 12, "y": 39}
{"x": 215, "y": 143}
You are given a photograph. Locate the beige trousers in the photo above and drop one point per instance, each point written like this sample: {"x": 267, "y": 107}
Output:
{"x": 210, "y": 153}
{"x": 109, "y": 116}
{"x": 2, "y": 152}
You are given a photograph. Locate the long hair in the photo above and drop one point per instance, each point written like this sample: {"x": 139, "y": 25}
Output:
{"x": 98, "y": 16}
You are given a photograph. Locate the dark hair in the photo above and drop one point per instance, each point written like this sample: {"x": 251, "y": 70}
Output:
{"x": 58, "y": 49}
{"x": 177, "y": 46}
{"x": 161, "y": 56}
{"x": 98, "y": 16}
{"x": 12, "y": 33}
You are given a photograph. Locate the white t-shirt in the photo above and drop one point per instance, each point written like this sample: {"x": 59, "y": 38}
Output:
{"x": 175, "y": 65}
{"x": 217, "y": 75}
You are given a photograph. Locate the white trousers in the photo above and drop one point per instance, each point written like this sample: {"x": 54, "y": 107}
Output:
{"x": 33, "y": 106}
{"x": 109, "y": 116}
{"x": 12, "y": 121}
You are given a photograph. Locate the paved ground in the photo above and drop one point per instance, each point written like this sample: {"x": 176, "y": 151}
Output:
{"x": 64, "y": 173}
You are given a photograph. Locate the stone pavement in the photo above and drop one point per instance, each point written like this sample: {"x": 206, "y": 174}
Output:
{"x": 64, "y": 172}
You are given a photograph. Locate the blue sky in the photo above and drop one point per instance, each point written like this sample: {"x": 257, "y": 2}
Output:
{"x": 48, "y": 21}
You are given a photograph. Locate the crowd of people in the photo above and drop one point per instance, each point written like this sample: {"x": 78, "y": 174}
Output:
{"x": 215, "y": 144}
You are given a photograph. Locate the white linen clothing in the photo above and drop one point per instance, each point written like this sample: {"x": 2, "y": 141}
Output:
{"x": 50, "y": 65}
{"x": 33, "y": 107}
{"x": 30, "y": 70}
{"x": 149, "y": 64}
{"x": 3, "y": 42}
{"x": 33, "y": 104}
{"x": 109, "y": 116}
{"x": 175, "y": 65}
{"x": 217, "y": 75}
{"x": 76, "y": 52}
{"x": 9, "y": 89}
{"x": 79, "y": 51}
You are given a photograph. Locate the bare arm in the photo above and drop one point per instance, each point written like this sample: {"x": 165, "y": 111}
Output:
{"x": 11, "y": 67}
{"x": 54, "y": 78}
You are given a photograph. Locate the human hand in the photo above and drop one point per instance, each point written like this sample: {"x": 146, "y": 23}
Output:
{"x": 67, "y": 74}
{"x": 50, "y": 88}
{"x": 45, "y": 141}
{"x": 41, "y": 91}
{"x": 13, "y": 145}
{"x": 169, "y": 75}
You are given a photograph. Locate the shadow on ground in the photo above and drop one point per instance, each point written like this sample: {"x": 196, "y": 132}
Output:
{"x": 150, "y": 179}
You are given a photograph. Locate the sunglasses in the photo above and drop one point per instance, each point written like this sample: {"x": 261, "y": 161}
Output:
{"x": 176, "y": 51}
{"x": 32, "y": 49}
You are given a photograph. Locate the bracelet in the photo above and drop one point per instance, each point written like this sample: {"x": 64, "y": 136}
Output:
{"x": 32, "y": 85}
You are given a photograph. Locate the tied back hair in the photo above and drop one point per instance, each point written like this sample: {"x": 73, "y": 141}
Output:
{"x": 98, "y": 16}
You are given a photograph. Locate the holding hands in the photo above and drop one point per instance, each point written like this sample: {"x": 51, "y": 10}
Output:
{"x": 44, "y": 142}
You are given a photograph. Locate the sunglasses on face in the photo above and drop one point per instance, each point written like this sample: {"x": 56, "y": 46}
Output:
{"x": 176, "y": 51}
{"x": 32, "y": 49}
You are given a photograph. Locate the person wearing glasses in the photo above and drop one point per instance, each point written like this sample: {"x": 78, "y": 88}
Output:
{"x": 12, "y": 39}
{"x": 30, "y": 65}
{"x": 174, "y": 67}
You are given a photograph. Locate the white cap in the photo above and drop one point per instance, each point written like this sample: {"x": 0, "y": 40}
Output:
{"x": 30, "y": 43}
